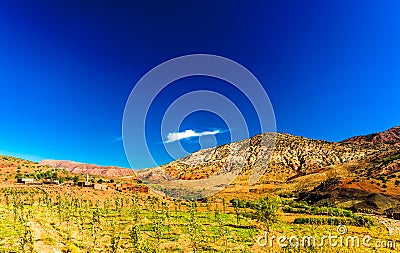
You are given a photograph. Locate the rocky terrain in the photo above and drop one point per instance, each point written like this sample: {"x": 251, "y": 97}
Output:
{"x": 362, "y": 172}
{"x": 293, "y": 157}
{"x": 391, "y": 137}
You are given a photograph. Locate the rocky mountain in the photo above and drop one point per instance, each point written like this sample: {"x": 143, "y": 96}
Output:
{"x": 390, "y": 137}
{"x": 91, "y": 169}
{"x": 293, "y": 156}
{"x": 348, "y": 171}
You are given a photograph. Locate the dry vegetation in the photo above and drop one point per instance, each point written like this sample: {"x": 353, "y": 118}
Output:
{"x": 35, "y": 221}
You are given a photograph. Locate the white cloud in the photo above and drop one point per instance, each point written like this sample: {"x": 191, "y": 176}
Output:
{"x": 117, "y": 138}
{"x": 176, "y": 136}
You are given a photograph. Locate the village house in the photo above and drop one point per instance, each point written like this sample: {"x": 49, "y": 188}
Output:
{"x": 85, "y": 184}
{"x": 102, "y": 187}
{"x": 50, "y": 181}
{"x": 26, "y": 180}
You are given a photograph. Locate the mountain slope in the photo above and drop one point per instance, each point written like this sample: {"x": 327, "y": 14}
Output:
{"x": 390, "y": 137}
{"x": 293, "y": 156}
{"x": 75, "y": 167}
{"x": 297, "y": 166}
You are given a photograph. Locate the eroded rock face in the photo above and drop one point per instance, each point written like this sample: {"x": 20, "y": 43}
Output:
{"x": 389, "y": 137}
{"x": 293, "y": 156}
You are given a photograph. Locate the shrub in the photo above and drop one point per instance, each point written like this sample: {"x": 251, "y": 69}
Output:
{"x": 365, "y": 221}
{"x": 76, "y": 179}
{"x": 332, "y": 211}
{"x": 361, "y": 221}
{"x": 267, "y": 209}
{"x": 324, "y": 221}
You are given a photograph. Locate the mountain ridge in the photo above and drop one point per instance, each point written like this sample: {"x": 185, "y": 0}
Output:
{"x": 92, "y": 169}
{"x": 289, "y": 154}
{"x": 390, "y": 136}
{"x": 297, "y": 165}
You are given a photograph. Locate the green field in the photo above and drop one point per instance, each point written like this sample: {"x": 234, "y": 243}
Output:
{"x": 33, "y": 221}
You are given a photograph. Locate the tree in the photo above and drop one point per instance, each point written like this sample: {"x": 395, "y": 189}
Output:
{"x": 135, "y": 237}
{"x": 237, "y": 205}
{"x": 267, "y": 209}
{"x": 76, "y": 179}
{"x": 115, "y": 238}
{"x": 55, "y": 176}
{"x": 194, "y": 229}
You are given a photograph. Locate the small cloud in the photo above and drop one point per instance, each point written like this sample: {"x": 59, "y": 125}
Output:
{"x": 117, "y": 138}
{"x": 187, "y": 134}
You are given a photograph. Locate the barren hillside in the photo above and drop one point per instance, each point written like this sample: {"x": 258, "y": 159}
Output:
{"x": 391, "y": 137}
{"x": 75, "y": 167}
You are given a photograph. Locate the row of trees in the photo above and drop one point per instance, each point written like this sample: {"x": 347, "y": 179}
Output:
{"x": 126, "y": 222}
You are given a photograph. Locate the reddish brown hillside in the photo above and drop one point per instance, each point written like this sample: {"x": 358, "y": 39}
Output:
{"x": 391, "y": 136}
{"x": 92, "y": 169}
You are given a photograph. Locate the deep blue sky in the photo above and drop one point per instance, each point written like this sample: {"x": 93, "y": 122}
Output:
{"x": 331, "y": 68}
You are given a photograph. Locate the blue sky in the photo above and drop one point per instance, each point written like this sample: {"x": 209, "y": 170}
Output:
{"x": 331, "y": 68}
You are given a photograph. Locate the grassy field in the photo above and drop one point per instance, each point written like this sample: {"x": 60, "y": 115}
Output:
{"x": 32, "y": 220}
